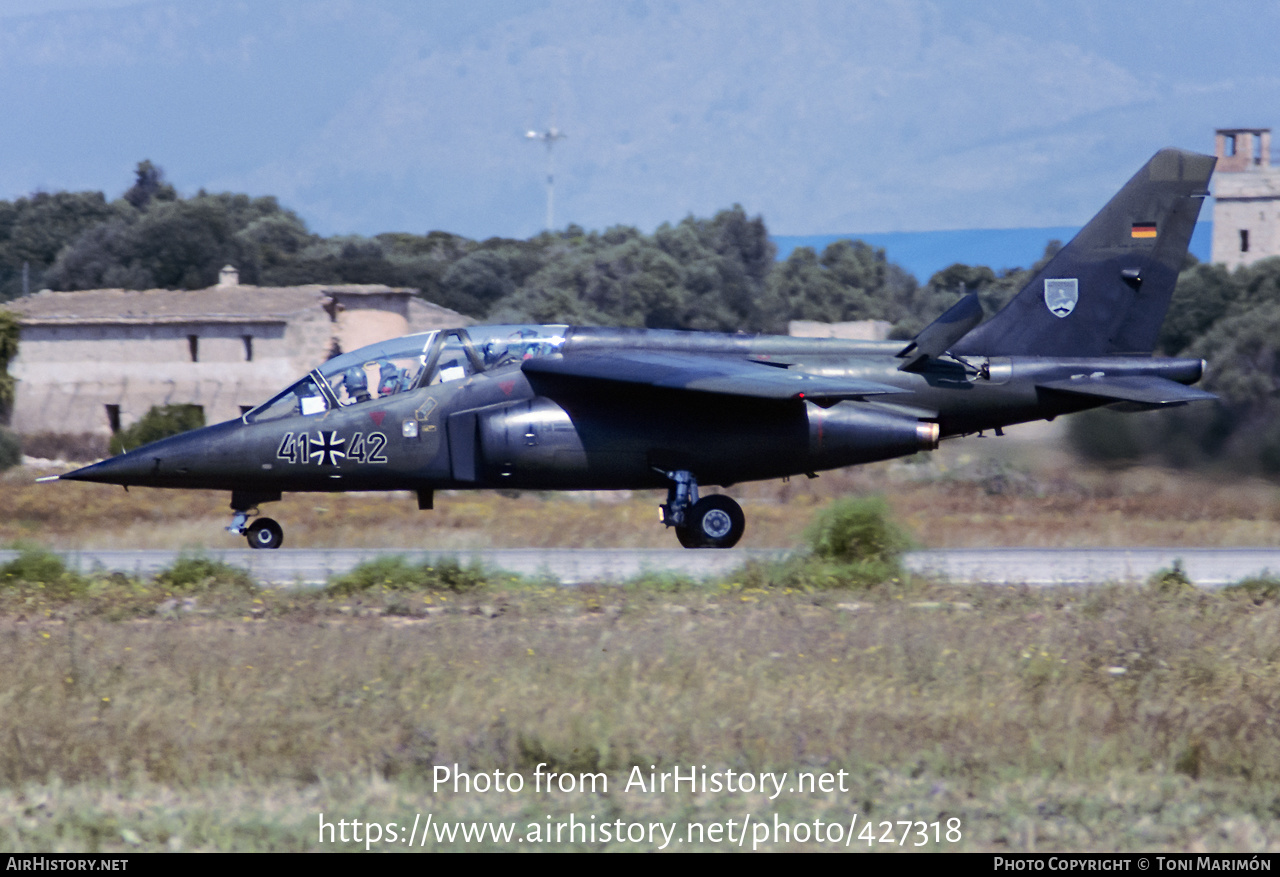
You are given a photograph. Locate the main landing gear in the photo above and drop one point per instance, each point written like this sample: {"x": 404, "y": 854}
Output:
{"x": 714, "y": 521}
{"x": 262, "y": 533}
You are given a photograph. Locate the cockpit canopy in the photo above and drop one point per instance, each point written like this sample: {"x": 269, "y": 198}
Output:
{"x": 404, "y": 364}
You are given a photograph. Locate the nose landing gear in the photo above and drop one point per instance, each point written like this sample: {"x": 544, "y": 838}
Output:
{"x": 262, "y": 533}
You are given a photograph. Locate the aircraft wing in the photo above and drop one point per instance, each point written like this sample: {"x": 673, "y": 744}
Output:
{"x": 1140, "y": 389}
{"x": 705, "y": 374}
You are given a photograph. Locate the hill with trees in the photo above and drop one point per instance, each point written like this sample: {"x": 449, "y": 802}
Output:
{"x": 718, "y": 273}
{"x": 715, "y": 273}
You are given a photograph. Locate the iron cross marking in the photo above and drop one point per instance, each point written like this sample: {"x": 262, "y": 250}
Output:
{"x": 328, "y": 448}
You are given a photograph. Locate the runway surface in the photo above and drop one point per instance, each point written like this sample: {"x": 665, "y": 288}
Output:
{"x": 1207, "y": 567}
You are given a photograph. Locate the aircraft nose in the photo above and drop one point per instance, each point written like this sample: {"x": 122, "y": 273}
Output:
{"x": 130, "y": 468}
{"x": 177, "y": 461}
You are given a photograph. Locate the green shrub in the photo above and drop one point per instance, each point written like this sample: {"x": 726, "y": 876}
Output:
{"x": 397, "y": 574}
{"x": 393, "y": 573}
{"x": 34, "y": 565}
{"x": 10, "y": 449}
{"x": 1261, "y": 588}
{"x": 449, "y": 575}
{"x": 855, "y": 543}
{"x": 43, "y": 568}
{"x": 200, "y": 573}
{"x": 160, "y": 422}
{"x": 857, "y": 529}
{"x": 1171, "y": 581}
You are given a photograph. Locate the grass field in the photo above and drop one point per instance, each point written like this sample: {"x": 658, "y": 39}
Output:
{"x": 195, "y": 712}
{"x": 1110, "y": 719}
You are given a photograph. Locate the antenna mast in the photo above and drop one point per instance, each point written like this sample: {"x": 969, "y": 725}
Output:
{"x": 549, "y": 137}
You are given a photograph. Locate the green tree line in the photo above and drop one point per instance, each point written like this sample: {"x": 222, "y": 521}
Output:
{"x": 1230, "y": 319}
{"x": 718, "y": 273}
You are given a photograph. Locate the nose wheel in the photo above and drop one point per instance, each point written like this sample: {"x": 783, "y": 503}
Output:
{"x": 264, "y": 533}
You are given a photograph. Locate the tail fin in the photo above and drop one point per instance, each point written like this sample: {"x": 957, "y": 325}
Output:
{"x": 1107, "y": 291}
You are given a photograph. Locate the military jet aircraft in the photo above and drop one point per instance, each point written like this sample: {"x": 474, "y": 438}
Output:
{"x": 579, "y": 408}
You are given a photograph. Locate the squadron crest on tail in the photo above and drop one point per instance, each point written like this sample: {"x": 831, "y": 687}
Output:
{"x": 1061, "y": 296}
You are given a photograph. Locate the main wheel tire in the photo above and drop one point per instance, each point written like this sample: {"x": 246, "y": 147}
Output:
{"x": 689, "y": 537}
{"x": 264, "y": 533}
{"x": 714, "y": 521}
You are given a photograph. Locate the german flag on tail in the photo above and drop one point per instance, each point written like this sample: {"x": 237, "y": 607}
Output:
{"x": 1143, "y": 230}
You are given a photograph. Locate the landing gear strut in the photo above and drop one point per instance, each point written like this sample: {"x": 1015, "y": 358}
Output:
{"x": 714, "y": 521}
{"x": 262, "y": 533}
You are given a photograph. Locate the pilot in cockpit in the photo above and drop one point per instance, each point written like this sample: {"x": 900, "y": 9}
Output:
{"x": 391, "y": 380}
{"x": 494, "y": 351}
{"x": 356, "y": 383}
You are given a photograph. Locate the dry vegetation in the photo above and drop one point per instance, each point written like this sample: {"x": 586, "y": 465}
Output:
{"x": 1107, "y": 719}
{"x": 195, "y": 712}
{"x": 956, "y": 497}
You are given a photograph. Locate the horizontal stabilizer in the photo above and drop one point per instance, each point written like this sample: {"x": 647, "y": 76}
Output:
{"x": 1141, "y": 389}
{"x": 936, "y": 338}
{"x": 734, "y": 377}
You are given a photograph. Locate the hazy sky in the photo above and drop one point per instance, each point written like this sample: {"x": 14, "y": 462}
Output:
{"x": 824, "y": 116}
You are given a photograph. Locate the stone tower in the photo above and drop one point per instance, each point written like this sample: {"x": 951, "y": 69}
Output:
{"x": 1246, "y": 209}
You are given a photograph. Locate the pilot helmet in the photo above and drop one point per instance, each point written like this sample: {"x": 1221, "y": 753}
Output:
{"x": 355, "y": 380}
